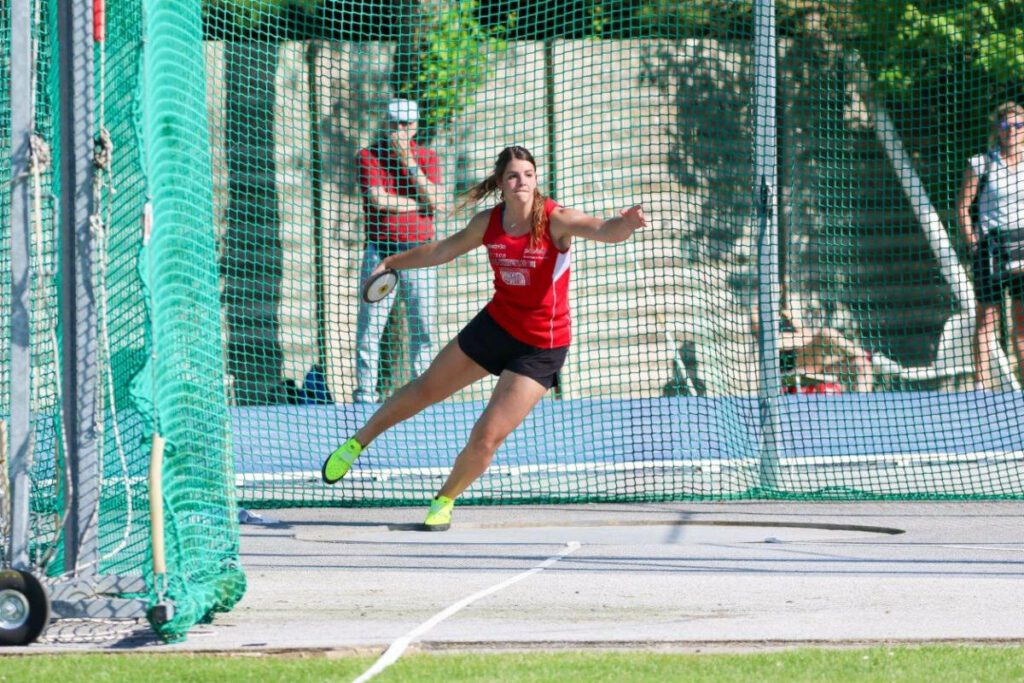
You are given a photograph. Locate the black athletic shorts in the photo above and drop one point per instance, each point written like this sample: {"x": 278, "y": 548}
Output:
{"x": 495, "y": 350}
{"x": 987, "y": 284}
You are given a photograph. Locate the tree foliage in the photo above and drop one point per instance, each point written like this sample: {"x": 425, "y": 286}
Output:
{"x": 912, "y": 45}
{"x": 941, "y": 66}
{"x": 449, "y": 61}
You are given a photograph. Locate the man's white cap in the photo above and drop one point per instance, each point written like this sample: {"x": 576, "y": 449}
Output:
{"x": 403, "y": 111}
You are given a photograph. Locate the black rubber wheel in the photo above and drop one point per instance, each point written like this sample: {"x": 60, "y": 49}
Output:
{"x": 24, "y": 607}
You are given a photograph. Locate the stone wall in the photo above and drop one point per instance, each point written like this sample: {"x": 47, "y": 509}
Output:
{"x": 665, "y": 123}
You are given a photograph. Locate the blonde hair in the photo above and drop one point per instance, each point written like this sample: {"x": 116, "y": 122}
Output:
{"x": 1003, "y": 112}
{"x": 490, "y": 185}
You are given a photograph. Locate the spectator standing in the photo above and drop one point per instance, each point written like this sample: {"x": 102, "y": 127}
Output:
{"x": 994, "y": 183}
{"x": 400, "y": 183}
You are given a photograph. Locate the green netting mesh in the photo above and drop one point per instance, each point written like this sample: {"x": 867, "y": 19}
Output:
{"x": 187, "y": 359}
{"x": 878, "y": 111}
{"x": 45, "y": 285}
{"x": 879, "y": 389}
{"x": 160, "y": 361}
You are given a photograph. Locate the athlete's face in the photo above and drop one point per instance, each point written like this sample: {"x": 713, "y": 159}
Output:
{"x": 519, "y": 180}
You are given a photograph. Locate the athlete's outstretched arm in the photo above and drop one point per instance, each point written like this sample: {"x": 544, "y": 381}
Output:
{"x": 566, "y": 223}
{"x": 441, "y": 251}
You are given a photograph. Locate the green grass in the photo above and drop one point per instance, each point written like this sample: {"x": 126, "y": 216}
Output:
{"x": 932, "y": 664}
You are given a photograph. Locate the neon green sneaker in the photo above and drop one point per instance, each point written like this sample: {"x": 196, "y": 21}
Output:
{"x": 338, "y": 463}
{"x": 439, "y": 517}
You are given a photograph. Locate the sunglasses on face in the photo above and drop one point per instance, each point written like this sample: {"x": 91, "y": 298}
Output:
{"x": 1007, "y": 125}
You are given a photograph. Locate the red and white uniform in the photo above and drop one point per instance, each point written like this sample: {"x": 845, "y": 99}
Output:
{"x": 531, "y": 284}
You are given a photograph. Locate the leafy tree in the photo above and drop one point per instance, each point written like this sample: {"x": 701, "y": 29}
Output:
{"x": 941, "y": 66}
{"x": 444, "y": 59}
{"x": 912, "y": 45}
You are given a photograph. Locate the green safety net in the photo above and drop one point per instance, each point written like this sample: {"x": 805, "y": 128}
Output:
{"x": 187, "y": 361}
{"x": 858, "y": 262}
{"x": 799, "y": 320}
{"x": 159, "y": 364}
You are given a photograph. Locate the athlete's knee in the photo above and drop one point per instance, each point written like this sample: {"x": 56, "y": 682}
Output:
{"x": 487, "y": 439}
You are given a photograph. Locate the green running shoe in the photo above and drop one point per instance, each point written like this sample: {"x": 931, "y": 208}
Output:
{"x": 439, "y": 518}
{"x": 338, "y": 463}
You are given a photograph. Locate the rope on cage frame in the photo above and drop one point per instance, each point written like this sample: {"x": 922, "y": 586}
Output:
{"x": 5, "y": 493}
{"x": 43, "y": 273}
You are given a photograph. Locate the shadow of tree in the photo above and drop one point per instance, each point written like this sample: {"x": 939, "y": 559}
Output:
{"x": 252, "y": 258}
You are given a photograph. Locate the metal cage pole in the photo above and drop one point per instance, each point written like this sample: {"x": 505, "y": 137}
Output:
{"x": 79, "y": 376}
{"x": 19, "y": 426}
{"x": 766, "y": 205}
{"x": 82, "y": 591}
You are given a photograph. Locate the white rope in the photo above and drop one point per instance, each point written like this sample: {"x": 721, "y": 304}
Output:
{"x": 40, "y": 161}
{"x": 105, "y": 389}
{"x": 103, "y": 154}
{"x": 398, "y": 647}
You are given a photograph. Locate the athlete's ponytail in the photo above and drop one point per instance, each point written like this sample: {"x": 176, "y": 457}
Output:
{"x": 538, "y": 218}
{"x": 488, "y": 185}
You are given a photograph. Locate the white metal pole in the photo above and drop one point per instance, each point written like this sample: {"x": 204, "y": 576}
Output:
{"x": 20, "y": 422}
{"x": 766, "y": 203}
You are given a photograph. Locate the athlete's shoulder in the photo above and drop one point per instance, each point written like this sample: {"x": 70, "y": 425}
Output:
{"x": 480, "y": 220}
{"x": 483, "y": 215}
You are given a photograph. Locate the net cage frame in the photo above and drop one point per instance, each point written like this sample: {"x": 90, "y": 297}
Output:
{"x": 80, "y": 590}
{"x": 83, "y": 533}
{"x": 764, "y": 463}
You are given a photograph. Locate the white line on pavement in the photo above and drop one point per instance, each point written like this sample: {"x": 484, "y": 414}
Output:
{"x": 398, "y": 647}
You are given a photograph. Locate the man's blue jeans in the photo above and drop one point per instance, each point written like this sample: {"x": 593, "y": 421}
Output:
{"x": 418, "y": 289}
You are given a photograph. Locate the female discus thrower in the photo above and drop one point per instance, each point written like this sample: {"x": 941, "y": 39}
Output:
{"x": 521, "y": 336}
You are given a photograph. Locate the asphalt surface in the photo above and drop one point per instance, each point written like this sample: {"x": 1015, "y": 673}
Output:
{"x": 684, "y": 576}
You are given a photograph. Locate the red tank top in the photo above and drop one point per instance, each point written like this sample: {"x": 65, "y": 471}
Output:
{"x": 531, "y": 285}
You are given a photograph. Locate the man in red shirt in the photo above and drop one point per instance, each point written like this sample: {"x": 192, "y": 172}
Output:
{"x": 400, "y": 183}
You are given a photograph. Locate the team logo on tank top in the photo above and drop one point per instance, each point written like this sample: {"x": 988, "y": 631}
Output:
{"x": 515, "y": 277}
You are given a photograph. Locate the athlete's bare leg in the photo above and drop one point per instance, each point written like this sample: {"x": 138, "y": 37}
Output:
{"x": 987, "y": 319}
{"x": 513, "y": 398}
{"x": 451, "y": 370}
